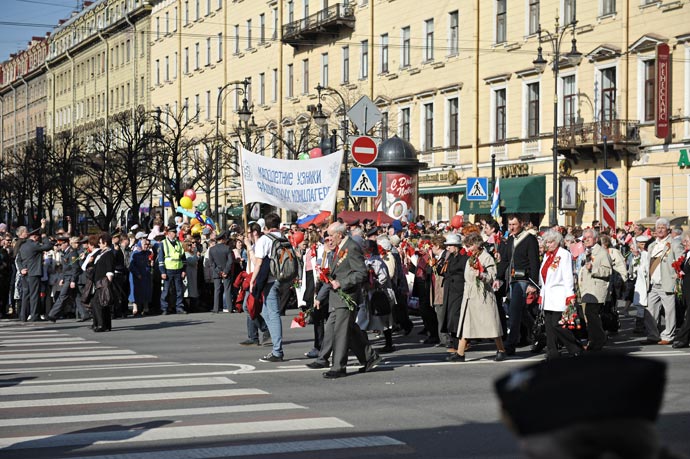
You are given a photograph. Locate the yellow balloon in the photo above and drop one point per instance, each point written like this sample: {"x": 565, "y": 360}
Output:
{"x": 197, "y": 229}
{"x": 186, "y": 203}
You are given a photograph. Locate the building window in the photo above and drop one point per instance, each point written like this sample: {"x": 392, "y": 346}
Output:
{"x": 305, "y": 76}
{"x": 208, "y": 105}
{"x": 533, "y": 110}
{"x": 429, "y": 40}
{"x": 306, "y": 8}
{"x": 174, "y": 24}
{"x": 608, "y": 7}
{"x": 608, "y": 94}
{"x": 501, "y": 25}
{"x": 158, "y": 27}
{"x": 220, "y": 46}
{"x": 290, "y": 81}
{"x": 249, "y": 34}
{"x": 262, "y": 89}
{"x": 649, "y": 92}
{"x": 569, "y": 101}
{"x": 291, "y": 11}
{"x": 208, "y": 51}
{"x": 196, "y": 56}
{"x": 167, "y": 23}
{"x": 500, "y": 115}
{"x": 324, "y": 69}
{"x": 568, "y": 11}
{"x": 237, "y": 38}
{"x": 197, "y": 106}
{"x": 186, "y": 60}
{"x": 364, "y": 61}
{"x": 533, "y": 17}
{"x": 346, "y": 64}
{"x": 186, "y": 12}
{"x": 384, "y": 53}
{"x": 653, "y": 196}
{"x": 128, "y": 54}
{"x": 167, "y": 68}
{"x": 405, "y": 48}
{"x": 174, "y": 69}
{"x": 198, "y": 12}
{"x": 275, "y": 24}
{"x": 262, "y": 28}
{"x": 405, "y": 124}
{"x": 453, "y": 36}
{"x": 453, "y": 123}
{"x": 185, "y": 108}
{"x": 275, "y": 85}
{"x": 428, "y": 127}
{"x": 208, "y": 7}
{"x": 384, "y": 126}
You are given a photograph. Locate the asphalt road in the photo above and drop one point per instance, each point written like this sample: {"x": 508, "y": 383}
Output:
{"x": 181, "y": 387}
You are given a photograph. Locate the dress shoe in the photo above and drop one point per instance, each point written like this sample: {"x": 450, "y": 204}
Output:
{"x": 371, "y": 364}
{"x": 664, "y": 342}
{"x": 500, "y": 356}
{"x": 510, "y": 351}
{"x": 164, "y": 313}
{"x": 387, "y": 349}
{"x": 334, "y": 374}
{"x": 431, "y": 340}
{"x": 250, "y": 342}
{"x": 408, "y": 330}
{"x": 316, "y": 365}
{"x": 649, "y": 342}
{"x": 314, "y": 353}
{"x": 680, "y": 345}
{"x": 181, "y": 311}
{"x": 52, "y": 319}
{"x": 455, "y": 358}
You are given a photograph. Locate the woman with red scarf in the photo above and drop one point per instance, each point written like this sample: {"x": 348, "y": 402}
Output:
{"x": 557, "y": 294}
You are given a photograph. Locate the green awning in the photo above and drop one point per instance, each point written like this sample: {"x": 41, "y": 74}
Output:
{"x": 235, "y": 211}
{"x": 442, "y": 189}
{"x": 519, "y": 195}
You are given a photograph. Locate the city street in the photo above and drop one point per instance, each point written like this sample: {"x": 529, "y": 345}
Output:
{"x": 181, "y": 387}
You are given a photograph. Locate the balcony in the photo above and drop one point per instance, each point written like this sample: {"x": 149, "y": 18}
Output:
{"x": 622, "y": 138}
{"x": 328, "y": 21}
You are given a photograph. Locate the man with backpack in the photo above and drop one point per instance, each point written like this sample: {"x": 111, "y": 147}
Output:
{"x": 275, "y": 265}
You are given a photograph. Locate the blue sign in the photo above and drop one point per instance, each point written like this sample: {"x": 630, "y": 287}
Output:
{"x": 607, "y": 183}
{"x": 477, "y": 189}
{"x": 364, "y": 182}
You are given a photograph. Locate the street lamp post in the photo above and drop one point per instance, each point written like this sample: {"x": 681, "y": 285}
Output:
{"x": 244, "y": 114}
{"x": 574, "y": 57}
{"x": 321, "y": 120}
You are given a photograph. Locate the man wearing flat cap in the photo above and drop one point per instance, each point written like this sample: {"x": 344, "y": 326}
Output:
{"x": 171, "y": 262}
{"x": 71, "y": 269}
{"x": 30, "y": 263}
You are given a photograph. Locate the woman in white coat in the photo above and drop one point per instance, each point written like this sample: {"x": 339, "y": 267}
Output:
{"x": 556, "y": 279}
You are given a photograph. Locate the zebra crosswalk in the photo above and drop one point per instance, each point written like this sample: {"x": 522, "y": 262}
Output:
{"x": 64, "y": 396}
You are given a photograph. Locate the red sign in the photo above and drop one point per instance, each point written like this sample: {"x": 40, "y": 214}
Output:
{"x": 364, "y": 150}
{"x": 608, "y": 212}
{"x": 399, "y": 196}
{"x": 663, "y": 74}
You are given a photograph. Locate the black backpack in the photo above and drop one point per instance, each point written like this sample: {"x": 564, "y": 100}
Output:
{"x": 284, "y": 262}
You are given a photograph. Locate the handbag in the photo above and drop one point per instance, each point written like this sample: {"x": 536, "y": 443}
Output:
{"x": 379, "y": 303}
{"x": 87, "y": 292}
{"x": 104, "y": 292}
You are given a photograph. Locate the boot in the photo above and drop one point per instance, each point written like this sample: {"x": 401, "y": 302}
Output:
{"x": 388, "y": 335}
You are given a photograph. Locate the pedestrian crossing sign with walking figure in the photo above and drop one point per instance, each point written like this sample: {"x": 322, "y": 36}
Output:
{"x": 364, "y": 182}
{"x": 477, "y": 189}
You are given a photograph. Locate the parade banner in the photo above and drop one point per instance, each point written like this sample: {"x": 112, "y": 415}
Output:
{"x": 306, "y": 187}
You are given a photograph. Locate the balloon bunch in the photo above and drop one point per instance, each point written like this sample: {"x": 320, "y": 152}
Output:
{"x": 197, "y": 218}
{"x": 313, "y": 153}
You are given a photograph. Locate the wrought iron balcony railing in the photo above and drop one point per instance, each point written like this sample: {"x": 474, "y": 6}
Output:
{"x": 615, "y": 132}
{"x": 326, "y": 21}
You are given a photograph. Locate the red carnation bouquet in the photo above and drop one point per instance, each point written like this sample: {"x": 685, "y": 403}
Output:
{"x": 477, "y": 266}
{"x": 325, "y": 277}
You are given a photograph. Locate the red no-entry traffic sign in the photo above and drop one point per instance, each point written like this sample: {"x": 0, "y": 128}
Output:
{"x": 364, "y": 150}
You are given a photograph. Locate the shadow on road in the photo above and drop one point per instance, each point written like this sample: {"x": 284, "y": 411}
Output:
{"x": 160, "y": 325}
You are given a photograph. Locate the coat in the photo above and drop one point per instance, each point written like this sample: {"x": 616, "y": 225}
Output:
{"x": 478, "y": 313}
{"x": 192, "y": 270}
{"x": 557, "y": 287}
{"x": 642, "y": 280}
{"x": 350, "y": 271}
{"x": 453, "y": 290}
{"x": 30, "y": 256}
{"x": 381, "y": 280}
{"x": 670, "y": 250}
{"x": 141, "y": 287}
{"x": 594, "y": 283}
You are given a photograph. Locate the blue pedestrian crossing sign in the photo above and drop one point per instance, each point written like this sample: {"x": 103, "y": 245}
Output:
{"x": 607, "y": 183}
{"x": 364, "y": 182}
{"x": 477, "y": 189}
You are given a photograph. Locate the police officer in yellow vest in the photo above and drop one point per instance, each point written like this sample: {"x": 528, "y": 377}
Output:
{"x": 171, "y": 261}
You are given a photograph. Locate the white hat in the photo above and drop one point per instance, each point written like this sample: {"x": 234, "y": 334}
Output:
{"x": 642, "y": 238}
{"x": 395, "y": 240}
{"x": 453, "y": 239}
{"x": 140, "y": 235}
{"x": 385, "y": 243}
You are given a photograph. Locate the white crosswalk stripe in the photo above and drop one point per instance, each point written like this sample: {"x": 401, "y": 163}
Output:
{"x": 84, "y": 408}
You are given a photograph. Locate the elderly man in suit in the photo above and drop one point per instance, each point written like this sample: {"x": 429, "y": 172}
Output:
{"x": 594, "y": 278}
{"x": 222, "y": 259}
{"x": 348, "y": 272}
{"x": 31, "y": 267}
{"x": 662, "y": 281}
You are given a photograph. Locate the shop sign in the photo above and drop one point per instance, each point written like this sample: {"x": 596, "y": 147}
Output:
{"x": 683, "y": 159}
{"x": 514, "y": 170}
{"x": 663, "y": 62}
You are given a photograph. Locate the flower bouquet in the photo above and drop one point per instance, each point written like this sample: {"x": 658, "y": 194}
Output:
{"x": 570, "y": 319}
{"x": 324, "y": 276}
{"x": 477, "y": 266}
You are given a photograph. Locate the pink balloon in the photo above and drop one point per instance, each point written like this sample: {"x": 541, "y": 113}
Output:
{"x": 297, "y": 238}
{"x": 191, "y": 194}
{"x": 315, "y": 153}
{"x": 456, "y": 221}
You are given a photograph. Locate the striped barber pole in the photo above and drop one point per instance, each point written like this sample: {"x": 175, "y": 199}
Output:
{"x": 608, "y": 212}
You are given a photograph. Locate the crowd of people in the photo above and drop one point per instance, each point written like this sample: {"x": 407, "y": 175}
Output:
{"x": 558, "y": 289}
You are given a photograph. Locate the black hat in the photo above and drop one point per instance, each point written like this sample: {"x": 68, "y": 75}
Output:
{"x": 84, "y": 240}
{"x": 373, "y": 232}
{"x": 223, "y": 235}
{"x": 116, "y": 234}
{"x": 36, "y": 232}
{"x": 540, "y": 398}
{"x": 62, "y": 238}
{"x": 171, "y": 228}
{"x": 354, "y": 222}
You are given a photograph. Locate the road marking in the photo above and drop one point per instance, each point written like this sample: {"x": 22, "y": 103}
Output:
{"x": 77, "y": 353}
{"x": 71, "y": 368}
{"x": 11, "y": 382}
{"x": 168, "y": 414}
{"x": 40, "y": 341}
{"x": 130, "y": 398}
{"x": 121, "y": 385}
{"x": 141, "y": 433}
{"x": 56, "y": 341}
{"x": 54, "y": 349}
{"x": 80, "y": 359}
{"x": 259, "y": 449}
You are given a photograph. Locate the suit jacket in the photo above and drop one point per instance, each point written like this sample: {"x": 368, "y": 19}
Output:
{"x": 221, "y": 258}
{"x": 71, "y": 266}
{"x": 31, "y": 256}
{"x": 525, "y": 256}
{"x": 668, "y": 273}
{"x": 557, "y": 287}
{"x": 594, "y": 283}
{"x": 349, "y": 270}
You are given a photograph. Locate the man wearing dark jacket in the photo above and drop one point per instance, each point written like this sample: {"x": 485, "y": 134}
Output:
{"x": 71, "y": 269}
{"x": 521, "y": 275}
{"x": 222, "y": 262}
{"x": 31, "y": 267}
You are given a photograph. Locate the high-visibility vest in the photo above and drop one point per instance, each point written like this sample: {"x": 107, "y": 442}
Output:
{"x": 173, "y": 255}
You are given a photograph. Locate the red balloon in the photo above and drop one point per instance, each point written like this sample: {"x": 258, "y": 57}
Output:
{"x": 456, "y": 221}
{"x": 191, "y": 194}
{"x": 297, "y": 238}
{"x": 315, "y": 153}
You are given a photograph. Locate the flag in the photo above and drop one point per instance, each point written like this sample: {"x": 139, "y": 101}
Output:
{"x": 495, "y": 207}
